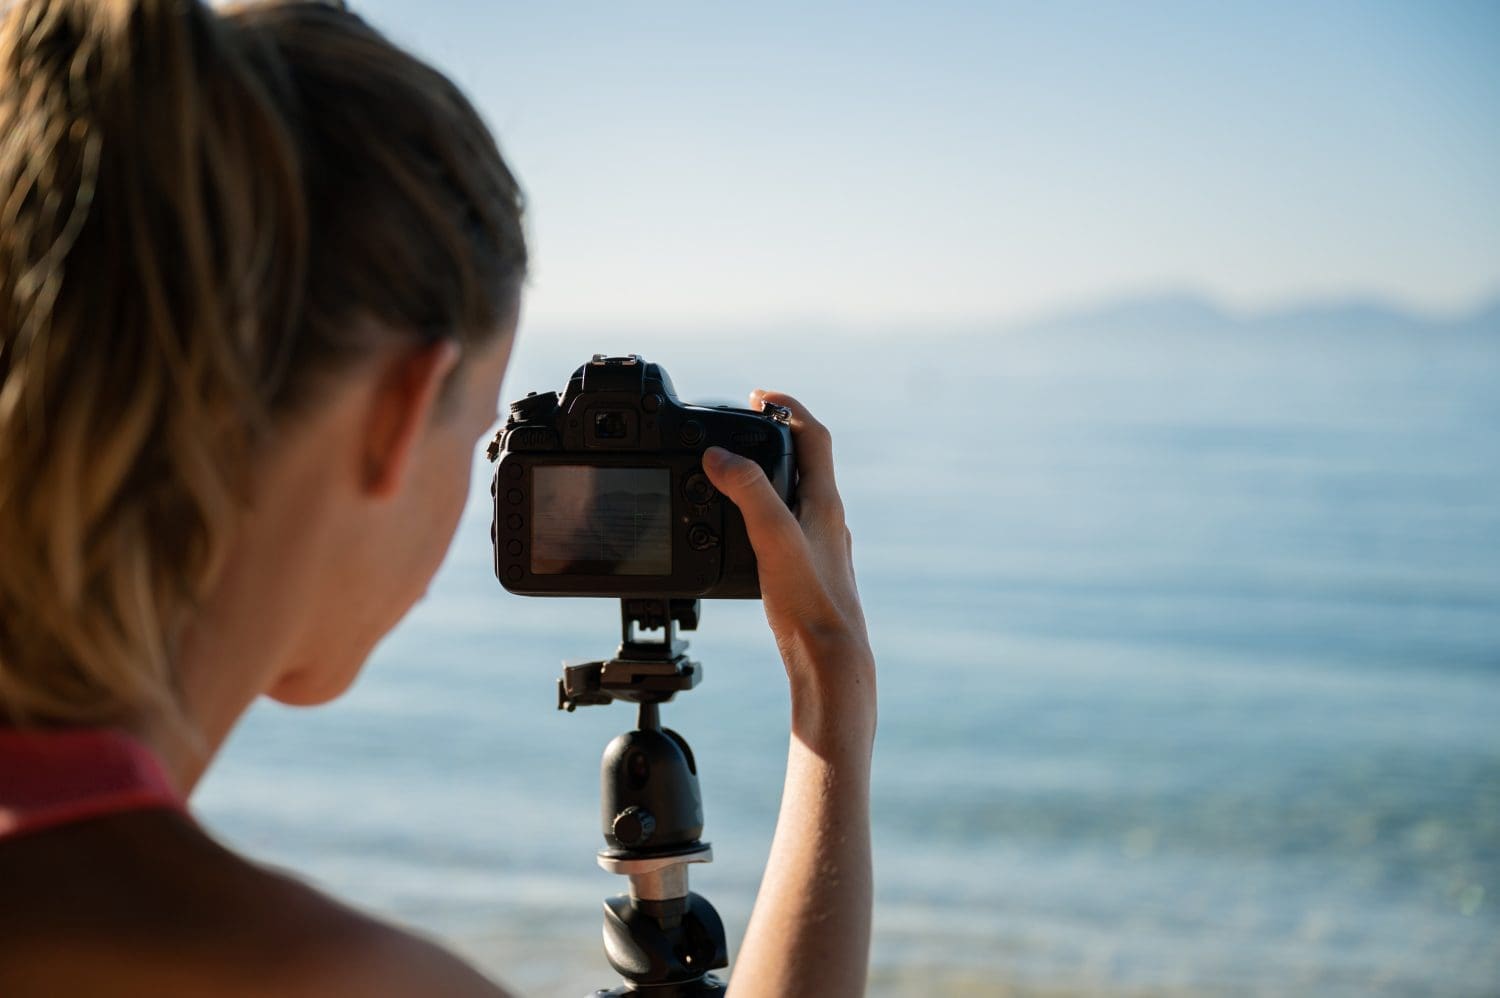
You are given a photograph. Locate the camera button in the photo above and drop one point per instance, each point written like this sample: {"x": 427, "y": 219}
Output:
{"x": 700, "y": 538}
{"x": 691, "y": 432}
{"x": 698, "y": 489}
{"x": 513, "y": 549}
{"x": 651, "y": 403}
{"x": 514, "y": 521}
{"x": 514, "y": 573}
{"x": 515, "y": 497}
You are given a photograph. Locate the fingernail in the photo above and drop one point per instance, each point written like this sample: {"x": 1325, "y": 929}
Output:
{"x": 717, "y": 458}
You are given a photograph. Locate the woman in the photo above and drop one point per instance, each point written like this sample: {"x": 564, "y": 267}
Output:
{"x": 261, "y": 274}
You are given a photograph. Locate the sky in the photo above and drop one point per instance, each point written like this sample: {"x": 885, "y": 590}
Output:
{"x": 701, "y": 162}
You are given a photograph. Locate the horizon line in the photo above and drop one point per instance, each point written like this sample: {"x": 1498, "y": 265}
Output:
{"x": 1080, "y": 307}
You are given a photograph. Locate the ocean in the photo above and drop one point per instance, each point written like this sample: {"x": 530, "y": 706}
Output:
{"x": 1188, "y": 630}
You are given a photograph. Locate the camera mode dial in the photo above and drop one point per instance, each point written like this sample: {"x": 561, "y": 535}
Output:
{"x": 534, "y": 407}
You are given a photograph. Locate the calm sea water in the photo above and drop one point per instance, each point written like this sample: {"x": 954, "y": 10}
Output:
{"x": 1189, "y": 637}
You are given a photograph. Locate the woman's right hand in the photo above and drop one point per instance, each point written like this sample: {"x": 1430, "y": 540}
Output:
{"x": 807, "y": 581}
{"x": 810, "y": 931}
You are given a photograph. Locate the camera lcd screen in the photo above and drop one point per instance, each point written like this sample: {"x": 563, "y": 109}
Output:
{"x": 601, "y": 521}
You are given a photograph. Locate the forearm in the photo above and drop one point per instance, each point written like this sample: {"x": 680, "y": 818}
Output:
{"x": 810, "y": 931}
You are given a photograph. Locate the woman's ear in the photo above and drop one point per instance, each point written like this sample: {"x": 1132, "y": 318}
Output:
{"x": 401, "y": 407}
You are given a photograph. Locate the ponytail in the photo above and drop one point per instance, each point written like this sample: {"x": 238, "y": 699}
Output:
{"x": 195, "y": 211}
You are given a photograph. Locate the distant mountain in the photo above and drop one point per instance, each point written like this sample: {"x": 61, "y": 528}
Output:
{"x": 1483, "y": 320}
{"x": 1198, "y": 315}
{"x": 1175, "y": 330}
{"x": 1155, "y": 313}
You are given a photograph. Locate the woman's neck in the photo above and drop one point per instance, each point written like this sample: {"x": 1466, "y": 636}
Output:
{"x": 260, "y": 619}
{"x": 225, "y": 661}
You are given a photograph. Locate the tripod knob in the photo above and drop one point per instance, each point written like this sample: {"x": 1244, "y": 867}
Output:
{"x": 633, "y": 826}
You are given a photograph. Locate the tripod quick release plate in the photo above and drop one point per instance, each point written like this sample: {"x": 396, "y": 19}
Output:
{"x": 641, "y": 671}
{"x": 593, "y": 684}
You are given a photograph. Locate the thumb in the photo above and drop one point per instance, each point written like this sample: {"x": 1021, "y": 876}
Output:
{"x": 772, "y": 528}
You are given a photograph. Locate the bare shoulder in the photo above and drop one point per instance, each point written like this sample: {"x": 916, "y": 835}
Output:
{"x": 324, "y": 947}
{"x": 362, "y": 956}
{"x": 148, "y": 903}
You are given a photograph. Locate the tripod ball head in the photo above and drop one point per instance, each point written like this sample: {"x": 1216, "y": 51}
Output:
{"x": 650, "y": 799}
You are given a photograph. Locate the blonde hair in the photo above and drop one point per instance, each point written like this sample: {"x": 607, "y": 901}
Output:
{"x": 197, "y": 209}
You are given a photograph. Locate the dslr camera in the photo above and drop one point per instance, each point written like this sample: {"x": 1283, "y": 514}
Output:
{"x": 600, "y": 490}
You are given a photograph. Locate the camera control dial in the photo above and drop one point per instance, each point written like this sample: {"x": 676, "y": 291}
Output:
{"x": 697, "y": 489}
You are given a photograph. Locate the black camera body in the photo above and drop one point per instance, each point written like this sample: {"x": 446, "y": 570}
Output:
{"x": 600, "y": 491}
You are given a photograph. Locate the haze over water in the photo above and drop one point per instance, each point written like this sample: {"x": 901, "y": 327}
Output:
{"x": 1189, "y": 639}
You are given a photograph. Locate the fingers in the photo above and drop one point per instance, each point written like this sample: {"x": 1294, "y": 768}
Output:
{"x": 774, "y": 533}
{"x": 816, "y": 485}
{"x": 805, "y": 560}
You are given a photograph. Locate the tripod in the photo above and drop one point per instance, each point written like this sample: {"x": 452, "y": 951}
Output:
{"x": 662, "y": 938}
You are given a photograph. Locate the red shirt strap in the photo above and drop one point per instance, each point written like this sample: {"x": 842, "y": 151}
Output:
{"x": 52, "y": 777}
